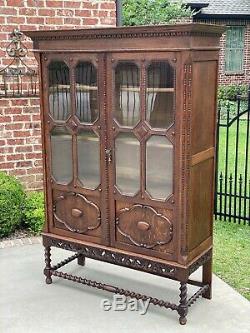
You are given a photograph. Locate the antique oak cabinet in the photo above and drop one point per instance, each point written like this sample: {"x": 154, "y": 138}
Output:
{"x": 128, "y": 128}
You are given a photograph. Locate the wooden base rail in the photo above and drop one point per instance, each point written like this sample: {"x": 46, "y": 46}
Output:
{"x": 198, "y": 294}
{"x": 65, "y": 261}
{"x": 115, "y": 290}
{"x": 181, "y": 308}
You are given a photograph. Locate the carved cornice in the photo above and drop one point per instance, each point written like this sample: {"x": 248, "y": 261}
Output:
{"x": 179, "y": 30}
{"x": 125, "y": 35}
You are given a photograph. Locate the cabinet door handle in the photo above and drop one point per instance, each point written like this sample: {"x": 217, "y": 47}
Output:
{"x": 75, "y": 212}
{"x": 108, "y": 153}
{"x": 144, "y": 226}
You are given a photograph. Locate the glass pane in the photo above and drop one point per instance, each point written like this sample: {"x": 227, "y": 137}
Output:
{"x": 159, "y": 167}
{"x": 59, "y": 90}
{"x": 127, "y": 155}
{"x": 86, "y": 92}
{"x": 61, "y": 151}
{"x": 88, "y": 150}
{"x": 234, "y": 60}
{"x": 235, "y": 37}
{"x": 127, "y": 94}
{"x": 234, "y": 54}
{"x": 160, "y": 95}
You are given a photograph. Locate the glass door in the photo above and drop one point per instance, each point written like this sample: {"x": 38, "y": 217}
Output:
{"x": 142, "y": 120}
{"x": 74, "y": 144}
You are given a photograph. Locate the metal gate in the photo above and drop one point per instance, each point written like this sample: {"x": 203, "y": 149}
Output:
{"x": 232, "y": 187}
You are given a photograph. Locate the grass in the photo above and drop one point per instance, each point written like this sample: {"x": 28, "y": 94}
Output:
{"x": 232, "y": 255}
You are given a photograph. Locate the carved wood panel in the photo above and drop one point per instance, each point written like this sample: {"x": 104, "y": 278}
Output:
{"x": 144, "y": 226}
{"x": 76, "y": 213}
{"x": 145, "y": 229}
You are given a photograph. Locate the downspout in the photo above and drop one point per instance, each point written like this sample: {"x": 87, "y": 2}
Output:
{"x": 118, "y": 13}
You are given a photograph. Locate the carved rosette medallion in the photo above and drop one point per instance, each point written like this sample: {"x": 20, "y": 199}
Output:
{"x": 144, "y": 227}
{"x": 76, "y": 213}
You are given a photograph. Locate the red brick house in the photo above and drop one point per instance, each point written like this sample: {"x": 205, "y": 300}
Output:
{"x": 235, "y": 43}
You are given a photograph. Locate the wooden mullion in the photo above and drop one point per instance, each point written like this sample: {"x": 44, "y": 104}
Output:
{"x": 73, "y": 112}
{"x": 143, "y": 119}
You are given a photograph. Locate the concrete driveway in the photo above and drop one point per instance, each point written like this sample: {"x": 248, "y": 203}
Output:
{"x": 27, "y": 304}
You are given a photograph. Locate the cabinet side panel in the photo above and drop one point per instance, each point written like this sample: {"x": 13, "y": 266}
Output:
{"x": 201, "y": 203}
{"x": 203, "y": 105}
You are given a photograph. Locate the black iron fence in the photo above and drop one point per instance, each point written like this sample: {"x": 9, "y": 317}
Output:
{"x": 232, "y": 189}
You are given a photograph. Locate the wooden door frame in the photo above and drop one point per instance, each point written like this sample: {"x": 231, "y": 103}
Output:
{"x": 142, "y": 59}
{"x": 98, "y": 127}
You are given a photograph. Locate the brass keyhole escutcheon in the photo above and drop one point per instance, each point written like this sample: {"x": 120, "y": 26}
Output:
{"x": 108, "y": 153}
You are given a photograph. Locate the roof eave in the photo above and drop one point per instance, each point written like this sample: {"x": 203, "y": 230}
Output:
{"x": 222, "y": 16}
{"x": 197, "y": 6}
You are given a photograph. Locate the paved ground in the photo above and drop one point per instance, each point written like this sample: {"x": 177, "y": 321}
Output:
{"x": 20, "y": 242}
{"x": 28, "y": 305}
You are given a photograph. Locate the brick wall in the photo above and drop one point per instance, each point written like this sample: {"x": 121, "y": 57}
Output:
{"x": 20, "y": 143}
{"x": 20, "y": 140}
{"x": 225, "y": 78}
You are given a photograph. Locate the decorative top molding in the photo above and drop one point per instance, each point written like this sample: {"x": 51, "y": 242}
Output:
{"x": 178, "y": 30}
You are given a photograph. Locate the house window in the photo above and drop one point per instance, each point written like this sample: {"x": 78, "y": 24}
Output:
{"x": 234, "y": 55}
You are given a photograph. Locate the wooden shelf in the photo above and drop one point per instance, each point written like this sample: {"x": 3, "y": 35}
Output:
{"x": 154, "y": 90}
{"x": 148, "y": 90}
{"x": 62, "y": 87}
{"x": 66, "y": 87}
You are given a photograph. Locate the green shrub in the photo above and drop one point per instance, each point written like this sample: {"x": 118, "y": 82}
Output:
{"x": 141, "y": 12}
{"x": 12, "y": 198}
{"x": 33, "y": 218}
{"x": 230, "y": 92}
